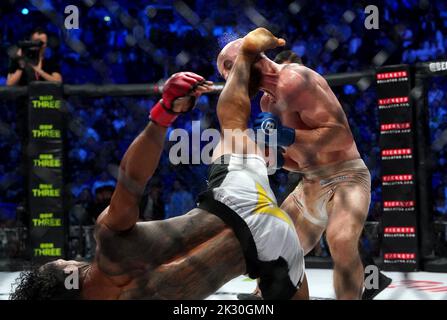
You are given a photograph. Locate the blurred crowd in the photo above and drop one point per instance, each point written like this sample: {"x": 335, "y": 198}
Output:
{"x": 438, "y": 136}
{"x": 146, "y": 41}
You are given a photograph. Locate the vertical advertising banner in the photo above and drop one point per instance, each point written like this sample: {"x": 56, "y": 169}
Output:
{"x": 45, "y": 163}
{"x": 399, "y": 216}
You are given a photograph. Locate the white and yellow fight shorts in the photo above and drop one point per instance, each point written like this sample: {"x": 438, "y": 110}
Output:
{"x": 239, "y": 193}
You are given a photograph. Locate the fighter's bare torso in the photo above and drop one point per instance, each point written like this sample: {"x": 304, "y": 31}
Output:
{"x": 179, "y": 258}
{"x": 303, "y": 100}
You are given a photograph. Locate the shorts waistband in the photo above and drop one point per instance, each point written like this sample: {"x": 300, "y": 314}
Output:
{"x": 333, "y": 168}
{"x": 240, "y": 228}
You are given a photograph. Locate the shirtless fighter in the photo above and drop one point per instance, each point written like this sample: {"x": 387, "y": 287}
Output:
{"x": 311, "y": 126}
{"x": 237, "y": 228}
{"x": 287, "y": 57}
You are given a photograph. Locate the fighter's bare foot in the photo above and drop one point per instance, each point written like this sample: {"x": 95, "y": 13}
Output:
{"x": 260, "y": 40}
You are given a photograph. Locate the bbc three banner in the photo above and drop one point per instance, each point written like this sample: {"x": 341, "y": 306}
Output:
{"x": 45, "y": 165}
{"x": 399, "y": 216}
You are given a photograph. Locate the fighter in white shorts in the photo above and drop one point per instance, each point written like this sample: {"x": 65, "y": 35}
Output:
{"x": 239, "y": 191}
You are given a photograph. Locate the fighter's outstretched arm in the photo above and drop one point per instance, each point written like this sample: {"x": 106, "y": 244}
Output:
{"x": 137, "y": 166}
{"x": 143, "y": 155}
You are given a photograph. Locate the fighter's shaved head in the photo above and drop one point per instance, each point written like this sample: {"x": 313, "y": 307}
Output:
{"x": 263, "y": 67}
{"x": 226, "y": 57}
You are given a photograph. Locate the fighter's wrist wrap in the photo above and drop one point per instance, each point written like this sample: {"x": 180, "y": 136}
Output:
{"x": 181, "y": 84}
{"x": 161, "y": 115}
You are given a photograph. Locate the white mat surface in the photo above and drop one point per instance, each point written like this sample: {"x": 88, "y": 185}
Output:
{"x": 418, "y": 286}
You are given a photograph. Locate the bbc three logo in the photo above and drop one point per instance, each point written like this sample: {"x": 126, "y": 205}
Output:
{"x": 46, "y": 220}
{"x": 46, "y": 102}
{"x": 47, "y": 250}
{"x": 47, "y": 161}
{"x": 46, "y": 131}
{"x": 45, "y": 190}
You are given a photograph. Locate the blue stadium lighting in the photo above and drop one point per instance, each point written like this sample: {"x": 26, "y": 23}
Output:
{"x": 25, "y": 11}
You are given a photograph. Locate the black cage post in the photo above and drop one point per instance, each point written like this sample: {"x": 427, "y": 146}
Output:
{"x": 422, "y": 73}
{"x": 419, "y": 94}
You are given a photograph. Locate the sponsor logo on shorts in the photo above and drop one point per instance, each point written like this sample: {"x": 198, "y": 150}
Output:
{"x": 336, "y": 179}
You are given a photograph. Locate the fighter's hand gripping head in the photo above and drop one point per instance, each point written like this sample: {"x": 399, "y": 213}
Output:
{"x": 180, "y": 93}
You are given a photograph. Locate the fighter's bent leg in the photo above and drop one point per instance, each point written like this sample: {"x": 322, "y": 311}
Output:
{"x": 303, "y": 291}
{"x": 233, "y": 107}
{"x": 309, "y": 235}
{"x": 347, "y": 213}
{"x": 233, "y": 110}
{"x": 201, "y": 271}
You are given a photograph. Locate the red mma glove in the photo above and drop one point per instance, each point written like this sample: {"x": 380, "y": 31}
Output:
{"x": 179, "y": 85}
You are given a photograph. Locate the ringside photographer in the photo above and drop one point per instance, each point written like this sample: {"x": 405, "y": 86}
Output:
{"x": 29, "y": 64}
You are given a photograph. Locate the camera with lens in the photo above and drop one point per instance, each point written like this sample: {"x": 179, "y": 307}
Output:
{"x": 30, "y": 51}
